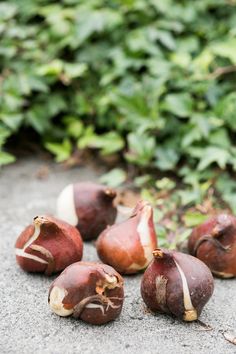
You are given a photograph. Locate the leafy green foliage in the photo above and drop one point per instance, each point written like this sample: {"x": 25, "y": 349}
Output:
{"x": 62, "y": 151}
{"x": 152, "y": 81}
{"x": 114, "y": 178}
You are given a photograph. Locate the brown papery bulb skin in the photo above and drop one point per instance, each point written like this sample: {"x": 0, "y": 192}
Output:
{"x": 88, "y": 206}
{"x": 48, "y": 246}
{"x": 177, "y": 284}
{"x": 92, "y": 292}
{"x": 128, "y": 246}
{"x": 214, "y": 243}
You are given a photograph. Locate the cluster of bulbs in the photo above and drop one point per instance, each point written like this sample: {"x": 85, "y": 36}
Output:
{"x": 173, "y": 282}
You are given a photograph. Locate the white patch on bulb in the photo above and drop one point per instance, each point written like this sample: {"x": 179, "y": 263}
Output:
{"x": 55, "y": 302}
{"x": 187, "y": 298}
{"x": 66, "y": 206}
{"x": 145, "y": 238}
{"x": 21, "y": 251}
{"x": 95, "y": 306}
{"x": 33, "y": 237}
{"x": 135, "y": 266}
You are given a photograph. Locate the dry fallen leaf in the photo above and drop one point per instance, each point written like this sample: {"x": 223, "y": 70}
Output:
{"x": 128, "y": 198}
{"x": 230, "y": 337}
{"x": 42, "y": 172}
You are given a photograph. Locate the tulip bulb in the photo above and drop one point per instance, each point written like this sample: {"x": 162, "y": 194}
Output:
{"x": 214, "y": 243}
{"x": 88, "y": 206}
{"x": 128, "y": 246}
{"x": 176, "y": 283}
{"x": 48, "y": 246}
{"x": 90, "y": 291}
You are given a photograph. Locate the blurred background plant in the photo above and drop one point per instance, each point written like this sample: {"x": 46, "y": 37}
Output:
{"x": 147, "y": 85}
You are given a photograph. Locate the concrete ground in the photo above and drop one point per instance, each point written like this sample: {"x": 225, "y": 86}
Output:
{"x": 28, "y": 325}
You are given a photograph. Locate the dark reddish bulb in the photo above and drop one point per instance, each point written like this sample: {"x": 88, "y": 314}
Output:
{"x": 48, "y": 246}
{"x": 177, "y": 284}
{"x": 92, "y": 292}
{"x": 214, "y": 242}
{"x": 88, "y": 206}
{"x": 128, "y": 246}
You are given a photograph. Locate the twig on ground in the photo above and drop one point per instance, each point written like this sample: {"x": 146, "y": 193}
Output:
{"x": 221, "y": 71}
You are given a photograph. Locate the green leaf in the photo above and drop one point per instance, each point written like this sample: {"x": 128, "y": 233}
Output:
{"x": 180, "y": 104}
{"x": 74, "y": 126}
{"x": 108, "y": 143}
{"x": 226, "y": 110}
{"x": 87, "y": 137}
{"x": 61, "y": 151}
{"x": 190, "y": 137}
{"x": 38, "y": 84}
{"x": 4, "y": 134}
{"x": 140, "y": 181}
{"x": 7, "y": 10}
{"x": 37, "y": 117}
{"x": 73, "y": 70}
{"x": 6, "y": 158}
{"x": 213, "y": 154}
{"x": 162, "y": 236}
{"x": 202, "y": 124}
{"x": 166, "y": 39}
{"x": 13, "y": 121}
{"x": 147, "y": 194}
{"x": 114, "y": 178}
{"x": 165, "y": 184}
{"x": 202, "y": 62}
{"x": 55, "y": 105}
{"x": 226, "y": 49}
{"x": 53, "y": 68}
{"x": 190, "y": 196}
{"x": 226, "y": 185}
{"x": 166, "y": 158}
{"x": 90, "y": 22}
{"x": 141, "y": 149}
{"x": 220, "y": 137}
{"x": 192, "y": 219}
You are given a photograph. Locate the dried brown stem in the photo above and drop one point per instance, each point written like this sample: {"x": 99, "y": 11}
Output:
{"x": 221, "y": 71}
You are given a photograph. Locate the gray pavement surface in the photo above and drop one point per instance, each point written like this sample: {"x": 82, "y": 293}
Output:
{"x": 27, "y": 324}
